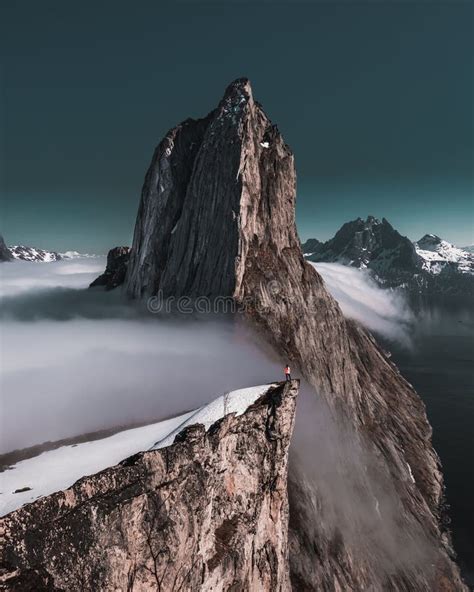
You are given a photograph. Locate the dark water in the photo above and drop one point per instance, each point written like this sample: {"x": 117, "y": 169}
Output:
{"x": 441, "y": 368}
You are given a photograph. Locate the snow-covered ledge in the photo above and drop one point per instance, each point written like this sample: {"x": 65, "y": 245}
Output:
{"x": 58, "y": 469}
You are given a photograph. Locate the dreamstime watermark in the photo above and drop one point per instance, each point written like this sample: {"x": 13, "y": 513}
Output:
{"x": 266, "y": 297}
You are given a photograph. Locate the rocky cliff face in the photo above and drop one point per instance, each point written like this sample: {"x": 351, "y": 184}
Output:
{"x": 5, "y": 254}
{"x": 116, "y": 269}
{"x": 217, "y": 219}
{"x": 210, "y": 512}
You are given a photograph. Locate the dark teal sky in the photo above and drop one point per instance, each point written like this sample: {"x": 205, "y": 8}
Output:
{"x": 375, "y": 99}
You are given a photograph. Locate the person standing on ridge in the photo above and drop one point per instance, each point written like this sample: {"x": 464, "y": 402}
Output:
{"x": 287, "y": 372}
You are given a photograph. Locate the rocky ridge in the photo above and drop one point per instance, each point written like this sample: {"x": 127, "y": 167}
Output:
{"x": 209, "y": 512}
{"x": 116, "y": 269}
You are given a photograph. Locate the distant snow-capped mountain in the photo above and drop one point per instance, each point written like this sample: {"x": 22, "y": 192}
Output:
{"x": 32, "y": 254}
{"x": 437, "y": 255}
{"x": 428, "y": 265}
{"x": 24, "y": 253}
{"x": 368, "y": 243}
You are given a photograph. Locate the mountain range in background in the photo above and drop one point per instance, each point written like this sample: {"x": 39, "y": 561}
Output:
{"x": 430, "y": 265}
{"x": 24, "y": 253}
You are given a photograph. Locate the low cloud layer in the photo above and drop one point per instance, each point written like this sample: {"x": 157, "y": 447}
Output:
{"x": 76, "y": 360}
{"x": 25, "y": 277}
{"x": 382, "y": 311}
{"x": 339, "y": 488}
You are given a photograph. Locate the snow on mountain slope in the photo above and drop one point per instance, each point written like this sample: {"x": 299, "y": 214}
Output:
{"x": 58, "y": 469}
{"x": 233, "y": 402}
{"x": 31, "y": 254}
{"x": 430, "y": 265}
{"x": 438, "y": 255}
{"x": 25, "y": 253}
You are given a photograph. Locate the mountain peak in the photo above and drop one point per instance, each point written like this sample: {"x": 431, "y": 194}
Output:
{"x": 237, "y": 95}
{"x": 368, "y": 243}
{"x": 372, "y": 220}
{"x": 429, "y": 239}
{"x": 239, "y": 86}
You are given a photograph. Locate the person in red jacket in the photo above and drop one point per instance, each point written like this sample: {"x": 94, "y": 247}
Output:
{"x": 287, "y": 372}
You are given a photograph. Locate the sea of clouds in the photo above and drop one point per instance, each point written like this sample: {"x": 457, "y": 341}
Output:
{"x": 75, "y": 360}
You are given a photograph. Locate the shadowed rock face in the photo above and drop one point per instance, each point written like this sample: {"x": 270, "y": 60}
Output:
{"x": 371, "y": 243}
{"x": 5, "y": 254}
{"x": 209, "y": 512}
{"x": 311, "y": 245}
{"x": 114, "y": 274}
{"x": 226, "y": 227}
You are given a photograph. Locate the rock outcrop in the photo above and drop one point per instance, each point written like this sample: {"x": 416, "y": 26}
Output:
{"x": 5, "y": 254}
{"x": 114, "y": 274}
{"x": 209, "y": 512}
{"x": 217, "y": 219}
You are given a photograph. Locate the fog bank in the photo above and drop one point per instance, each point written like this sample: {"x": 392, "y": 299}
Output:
{"x": 76, "y": 360}
{"x": 383, "y": 311}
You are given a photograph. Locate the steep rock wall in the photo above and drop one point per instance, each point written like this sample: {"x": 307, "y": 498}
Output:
{"x": 210, "y": 512}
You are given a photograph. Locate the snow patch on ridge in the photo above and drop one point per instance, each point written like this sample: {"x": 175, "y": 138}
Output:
{"x": 234, "y": 402}
{"x": 56, "y": 470}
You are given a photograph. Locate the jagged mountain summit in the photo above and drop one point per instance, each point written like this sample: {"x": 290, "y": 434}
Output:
{"x": 217, "y": 219}
{"x": 430, "y": 265}
{"x": 310, "y": 246}
{"x": 369, "y": 243}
